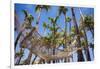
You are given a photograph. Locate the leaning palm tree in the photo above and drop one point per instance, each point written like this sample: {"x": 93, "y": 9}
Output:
{"x": 79, "y": 52}
{"x": 24, "y": 44}
{"x": 26, "y": 25}
{"x": 19, "y": 55}
{"x": 85, "y": 36}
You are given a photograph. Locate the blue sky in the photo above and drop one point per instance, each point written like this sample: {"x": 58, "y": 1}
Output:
{"x": 51, "y": 13}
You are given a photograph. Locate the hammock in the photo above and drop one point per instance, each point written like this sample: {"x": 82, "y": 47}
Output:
{"x": 40, "y": 50}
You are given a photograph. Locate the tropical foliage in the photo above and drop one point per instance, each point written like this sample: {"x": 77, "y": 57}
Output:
{"x": 53, "y": 34}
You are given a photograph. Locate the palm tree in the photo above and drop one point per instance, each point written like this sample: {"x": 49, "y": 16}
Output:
{"x": 54, "y": 29}
{"x": 72, "y": 38}
{"x": 80, "y": 54}
{"x": 26, "y": 25}
{"x": 85, "y": 36}
{"x": 89, "y": 24}
{"x": 68, "y": 20}
{"x": 39, "y": 9}
{"x": 63, "y": 10}
{"x": 19, "y": 55}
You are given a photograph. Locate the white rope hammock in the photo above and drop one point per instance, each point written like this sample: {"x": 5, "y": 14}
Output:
{"x": 40, "y": 50}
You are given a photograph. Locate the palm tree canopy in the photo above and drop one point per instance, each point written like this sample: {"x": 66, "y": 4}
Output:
{"x": 62, "y": 10}
{"x": 28, "y": 19}
{"x": 68, "y": 19}
{"x": 25, "y": 12}
{"x": 53, "y": 20}
{"x": 38, "y": 7}
{"x": 28, "y": 16}
{"x": 89, "y": 22}
{"x": 45, "y": 25}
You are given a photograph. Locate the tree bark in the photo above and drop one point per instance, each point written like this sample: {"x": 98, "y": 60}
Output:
{"x": 34, "y": 59}
{"x": 85, "y": 37}
{"x": 79, "y": 52}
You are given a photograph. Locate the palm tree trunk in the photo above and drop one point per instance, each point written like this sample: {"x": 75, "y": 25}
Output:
{"x": 79, "y": 52}
{"x": 38, "y": 19}
{"x": 87, "y": 49}
{"x": 34, "y": 59}
{"x": 85, "y": 37}
{"x": 53, "y": 54}
{"x": 54, "y": 32}
{"x": 20, "y": 57}
{"x": 16, "y": 41}
{"x": 70, "y": 37}
{"x": 65, "y": 59}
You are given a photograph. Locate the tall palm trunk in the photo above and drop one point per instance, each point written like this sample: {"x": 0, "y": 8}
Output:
{"x": 70, "y": 38}
{"x": 20, "y": 57}
{"x": 65, "y": 33}
{"x": 16, "y": 41}
{"x": 65, "y": 36}
{"x": 87, "y": 49}
{"x": 54, "y": 32}
{"x": 34, "y": 59}
{"x": 54, "y": 54}
{"x": 79, "y": 52}
{"x": 25, "y": 38}
{"x": 38, "y": 19}
{"x": 85, "y": 37}
{"x": 18, "y": 37}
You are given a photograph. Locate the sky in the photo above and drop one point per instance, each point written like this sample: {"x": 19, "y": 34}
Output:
{"x": 51, "y": 13}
